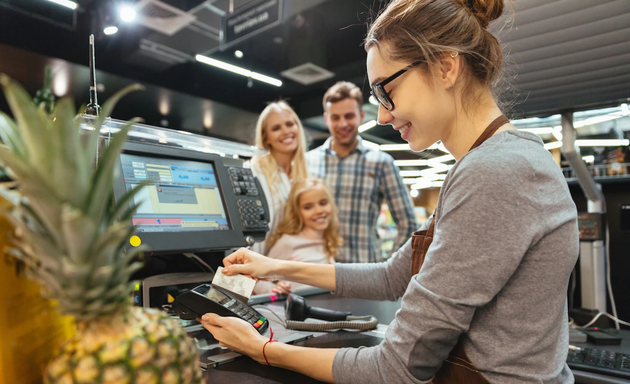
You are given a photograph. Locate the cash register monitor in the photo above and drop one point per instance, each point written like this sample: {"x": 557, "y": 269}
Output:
{"x": 185, "y": 207}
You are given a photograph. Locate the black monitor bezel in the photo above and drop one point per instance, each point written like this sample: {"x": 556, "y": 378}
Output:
{"x": 198, "y": 240}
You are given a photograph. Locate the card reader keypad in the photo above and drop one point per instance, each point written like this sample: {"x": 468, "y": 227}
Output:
{"x": 243, "y": 312}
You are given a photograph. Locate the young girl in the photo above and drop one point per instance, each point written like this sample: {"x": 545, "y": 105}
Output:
{"x": 307, "y": 232}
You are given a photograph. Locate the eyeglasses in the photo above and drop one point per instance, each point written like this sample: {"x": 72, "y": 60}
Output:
{"x": 378, "y": 89}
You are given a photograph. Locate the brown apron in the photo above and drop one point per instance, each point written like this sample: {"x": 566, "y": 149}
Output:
{"x": 457, "y": 368}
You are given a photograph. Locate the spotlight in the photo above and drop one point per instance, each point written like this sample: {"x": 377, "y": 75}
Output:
{"x": 127, "y": 13}
{"x": 238, "y": 54}
{"x": 110, "y": 30}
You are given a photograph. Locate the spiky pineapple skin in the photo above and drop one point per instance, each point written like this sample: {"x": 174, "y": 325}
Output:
{"x": 133, "y": 346}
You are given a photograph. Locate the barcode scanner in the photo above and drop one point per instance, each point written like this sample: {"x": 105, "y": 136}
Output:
{"x": 296, "y": 308}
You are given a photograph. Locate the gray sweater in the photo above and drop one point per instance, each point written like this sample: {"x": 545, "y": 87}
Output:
{"x": 496, "y": 274}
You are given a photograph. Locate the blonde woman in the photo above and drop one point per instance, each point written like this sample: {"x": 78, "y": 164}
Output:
{"x": 280, "y": 131}
{"x": 308, "y": 231}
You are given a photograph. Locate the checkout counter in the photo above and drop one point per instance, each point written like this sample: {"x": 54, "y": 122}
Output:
{"x": 200, "y": 201}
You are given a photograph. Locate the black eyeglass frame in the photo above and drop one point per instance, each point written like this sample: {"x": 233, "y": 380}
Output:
{"x": 381, "y": 86}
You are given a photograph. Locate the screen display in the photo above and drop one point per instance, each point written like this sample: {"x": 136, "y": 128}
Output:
{"x": 212, "y": 294}
{"x": 183, "y": 195}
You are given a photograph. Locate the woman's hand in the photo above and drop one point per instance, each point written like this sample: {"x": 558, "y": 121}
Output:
{"x": 282, "y": 288}
{"x": 249, "y": 263}
{"x": 235, "y": 334}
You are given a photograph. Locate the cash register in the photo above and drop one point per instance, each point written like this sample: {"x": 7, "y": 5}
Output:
{"x": 198, "y": 200}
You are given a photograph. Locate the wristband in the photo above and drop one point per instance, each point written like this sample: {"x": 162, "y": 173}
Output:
{"x": 264, "y": 346}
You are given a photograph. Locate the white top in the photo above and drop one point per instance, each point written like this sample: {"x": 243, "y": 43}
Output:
{"x": 275, "y": 201}
{"x": 297, "y": 248}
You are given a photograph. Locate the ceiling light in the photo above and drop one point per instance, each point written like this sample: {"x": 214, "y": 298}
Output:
{"x": 395, "y": 147}
{"x": 603, "y": 143}
{"x": 440, "y": 159}
{"x": 266, "y": 79}
{"x": 410, "y": 163}
{"x": 596, "y": 120}
{"x": 61, "y": 80}
{"x": 373, "y": 100}
{"x": 421, "y": 183}
{"x": 238, "y": 70}
{"x": 370, "y": 124}
{"x": 409, "y": 181}
{"x": 624, "y": 109}
{"x": 127, "y": 13}
{"x": 371, "y": 145}
{"x": 410, "y": 173}
{"x": 588, "y": 159}
{"x": 425, "y": 182}
{"x": 414, "y": 193}
{"x": 238, "y": 54}
{"x": 553, "y": 145}
{"x": 207, "y": 119}
{"x": 110, "y": 30}
{"x": 65, "y": 3}
{"x": 557, "y": 132}
{"x": 436, "y": 168}
{"x": 538, "y": 131}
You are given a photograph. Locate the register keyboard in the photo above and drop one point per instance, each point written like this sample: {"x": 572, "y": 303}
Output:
{"x": 600, "y": 361}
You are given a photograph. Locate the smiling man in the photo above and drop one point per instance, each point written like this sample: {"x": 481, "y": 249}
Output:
{"x": 360, "y": 179}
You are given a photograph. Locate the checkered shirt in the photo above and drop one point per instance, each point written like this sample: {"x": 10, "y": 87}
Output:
{"x": 360, "y": 182}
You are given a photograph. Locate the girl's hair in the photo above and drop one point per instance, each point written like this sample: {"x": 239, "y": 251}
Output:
{"x": 292, "y": 222}
{"x": 268, "y": 164}
{"x": 425, "y": 30}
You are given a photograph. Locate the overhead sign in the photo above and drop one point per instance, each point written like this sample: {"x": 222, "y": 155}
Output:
{"x": 250, "y": 20}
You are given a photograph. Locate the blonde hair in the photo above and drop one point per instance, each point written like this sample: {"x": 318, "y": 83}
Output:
{"x": 292, "y": 222}
{"x": 343, "y": 90}
{"x": 424, "y": 30}
{"x": 268, "y": 164}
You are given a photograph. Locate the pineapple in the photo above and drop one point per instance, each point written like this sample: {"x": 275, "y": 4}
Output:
{"x": 70, "y": 233}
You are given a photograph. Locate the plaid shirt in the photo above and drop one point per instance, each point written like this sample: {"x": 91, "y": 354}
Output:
{"x": 359, "y": 183}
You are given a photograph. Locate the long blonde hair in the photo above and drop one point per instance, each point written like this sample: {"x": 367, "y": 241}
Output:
{"x": 268, "y": 164}
{"x": 292, "y": 222}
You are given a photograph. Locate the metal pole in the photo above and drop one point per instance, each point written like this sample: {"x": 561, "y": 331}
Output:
{"x": 592, "y": 253}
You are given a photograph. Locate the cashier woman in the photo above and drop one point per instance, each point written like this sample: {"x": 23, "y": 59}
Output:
{"x": 485, "y": 302}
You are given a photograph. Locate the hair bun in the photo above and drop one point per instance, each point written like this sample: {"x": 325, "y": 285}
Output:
{"x": 485, "y": 11}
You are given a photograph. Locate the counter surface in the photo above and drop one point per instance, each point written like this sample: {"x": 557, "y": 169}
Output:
{"x": 245, "y": 370}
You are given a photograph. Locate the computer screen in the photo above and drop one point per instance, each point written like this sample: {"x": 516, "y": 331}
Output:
{"x": 189, "y": 204}
{"x": 183, "y": 195}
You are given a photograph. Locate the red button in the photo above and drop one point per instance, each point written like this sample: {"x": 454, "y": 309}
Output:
{"x": 256, "y": 325}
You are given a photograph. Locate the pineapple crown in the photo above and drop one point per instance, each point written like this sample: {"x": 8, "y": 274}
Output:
{"x": 69, "y": 230}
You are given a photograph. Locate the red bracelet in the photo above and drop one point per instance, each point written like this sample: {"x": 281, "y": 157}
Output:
{"x": 269, "y": 341}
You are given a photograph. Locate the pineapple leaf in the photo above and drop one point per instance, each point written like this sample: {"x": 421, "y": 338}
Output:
{"x": 105, "y": 176}
{"x": 10, "y": 135}
{"x": 106, "y": 111}
{"x": 68, "y": 166}
{"x": 79, "y": 232}
{"x": 14, "y": 163}
{"x": 128, "y": 214}
{"x": 33, "y": 124}
{"x": 123, "y": 209}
